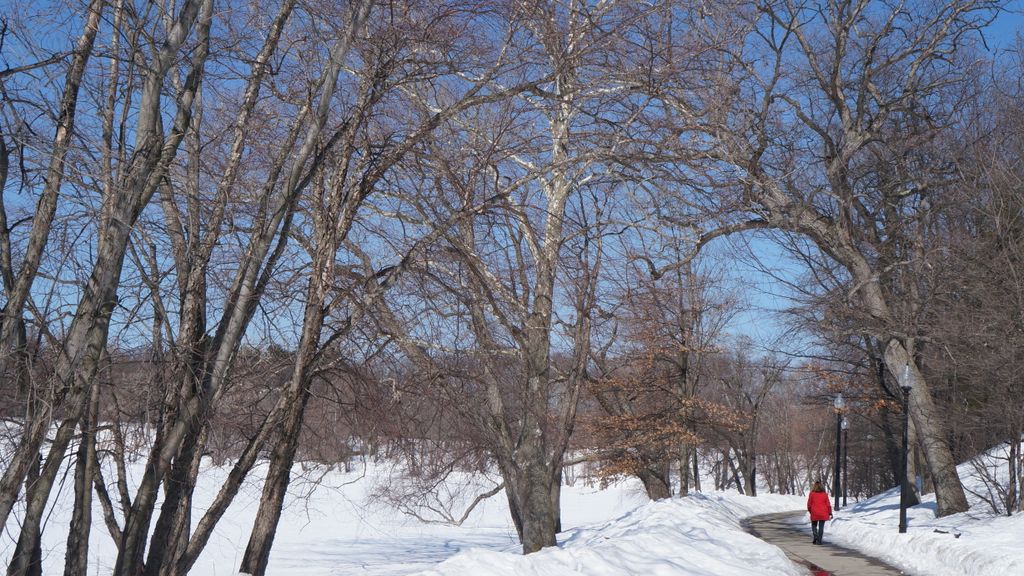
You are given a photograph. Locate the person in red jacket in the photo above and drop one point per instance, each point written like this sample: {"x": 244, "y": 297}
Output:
{"x": 820, "y": 510}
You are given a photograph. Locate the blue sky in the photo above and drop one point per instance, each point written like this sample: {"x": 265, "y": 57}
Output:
{"x": 1004, "y": 30}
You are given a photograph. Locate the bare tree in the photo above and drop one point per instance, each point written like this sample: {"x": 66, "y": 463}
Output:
{"x": 353, "y": 176}
{"x": 18, "y": 281}
{"x": 520, "y": 281}
{"x": 975, "y": 320}
{"x": 744, "y": 384}
{"x": 205, "y": 362}
{"x": 76, "y": 364}
{"x": 871, "y": 86}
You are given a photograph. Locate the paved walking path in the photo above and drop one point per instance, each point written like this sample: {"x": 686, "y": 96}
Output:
{"x": 826, "y": 559}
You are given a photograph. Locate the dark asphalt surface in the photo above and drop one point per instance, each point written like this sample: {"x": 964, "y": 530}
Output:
{"x": 821, "y": 560}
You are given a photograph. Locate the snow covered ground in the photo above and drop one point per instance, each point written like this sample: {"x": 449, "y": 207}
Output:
{"x": 335, "y": 527}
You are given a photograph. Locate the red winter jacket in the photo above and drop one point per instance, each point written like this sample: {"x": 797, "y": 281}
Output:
{"x": 819, "y": 506}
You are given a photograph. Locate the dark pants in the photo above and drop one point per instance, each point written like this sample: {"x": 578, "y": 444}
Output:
{"x": 817, "y": 529}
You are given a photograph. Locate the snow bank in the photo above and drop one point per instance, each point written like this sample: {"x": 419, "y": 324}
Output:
{"x": 699, "y": 536}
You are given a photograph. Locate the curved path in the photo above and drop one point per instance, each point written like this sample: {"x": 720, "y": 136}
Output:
{"x": 828, "y": 559}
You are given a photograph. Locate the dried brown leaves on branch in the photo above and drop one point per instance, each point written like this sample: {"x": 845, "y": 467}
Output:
{"x": 645, "y": 419}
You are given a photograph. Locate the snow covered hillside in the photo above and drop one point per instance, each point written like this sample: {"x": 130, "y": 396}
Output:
{"x": 332, "y": 525}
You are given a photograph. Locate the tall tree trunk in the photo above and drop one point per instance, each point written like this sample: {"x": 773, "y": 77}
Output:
{"x": 250, "y": 281}
{"x": 77, "y": 364}
{"x": 331, "y": 227}
{"x": 199, "y": 364}
{"x": 748, "y": 466}
{"x": 77, "y": 555}
{"x": 929, "y": 429}
{"x": 685, "y": 449}
{"x": 696, "y": 470}
{"x": 1011, "y": 484}
{"x": 27, "y": 559}
{"x": 295, "y": 397}
{"x": 261, "y": 539}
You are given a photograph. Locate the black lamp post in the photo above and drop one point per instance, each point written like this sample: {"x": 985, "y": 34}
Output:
{"x": 904, "y": 488}
{"x": 839, "y": 403}
{"x": 846, "y": 449}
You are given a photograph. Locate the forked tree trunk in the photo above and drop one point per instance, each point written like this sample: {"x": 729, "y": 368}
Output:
{"x": 182, "y": 530}
{"x": 77, "y": 365}
{"x": 655, "y": 479}
{"x": 225, "y": 496}
{"x": 248, "y": 285}
{"x": 331, "y": 228}
{"x": 174, "y": 520}
{"x": 184, "y": 439}
{"x": 532, "y": 489}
